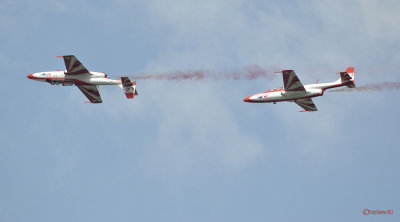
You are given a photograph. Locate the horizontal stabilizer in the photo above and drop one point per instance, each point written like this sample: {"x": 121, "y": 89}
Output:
{"x": 126, "y": 81}
{"x": 129, "y": 87}
{"x": 347, "y": 78}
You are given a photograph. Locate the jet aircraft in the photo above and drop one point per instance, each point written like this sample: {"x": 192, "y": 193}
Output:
{"x": 295, "y": 91}
{"x": 86, "y": 81}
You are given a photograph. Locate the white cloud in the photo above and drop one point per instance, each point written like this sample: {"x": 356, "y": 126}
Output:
{"x": 316, "y": 38}
{"x": 196, "y": 132}
{"x": 195, "y": 123}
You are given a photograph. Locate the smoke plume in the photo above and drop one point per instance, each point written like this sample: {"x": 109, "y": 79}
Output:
{"x": 250, "y": 73}
{"x": 371, "y": 87}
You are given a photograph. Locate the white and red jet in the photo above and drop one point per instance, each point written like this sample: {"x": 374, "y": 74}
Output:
{"x": 295, "y": 91}
{"x": 86, "y": 81}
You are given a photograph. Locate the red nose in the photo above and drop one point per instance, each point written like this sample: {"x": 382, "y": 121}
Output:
{"x": 247, "y": 99}
{"x": 30, "y": 76}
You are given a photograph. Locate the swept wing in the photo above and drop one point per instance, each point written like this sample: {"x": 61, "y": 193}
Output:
{"x": 74, "y": 66}
{"x": 291, "y": 82}
{"x": 307, "y": 104}
{"x": 91, "y": 92}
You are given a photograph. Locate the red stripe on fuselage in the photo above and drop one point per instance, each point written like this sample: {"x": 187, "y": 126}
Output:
{"x": 247, "y": 99}
{"x": 338, "y": 85}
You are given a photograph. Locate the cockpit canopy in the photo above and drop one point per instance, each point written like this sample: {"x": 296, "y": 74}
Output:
{"x": 275, "y": 89}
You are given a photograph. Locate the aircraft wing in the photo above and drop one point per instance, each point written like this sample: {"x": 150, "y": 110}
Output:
{"x": 306, "y": 104}
{"x": 74, "y": 66}
{"x": 91, "y": 92}
{"x": 291, "y": 81}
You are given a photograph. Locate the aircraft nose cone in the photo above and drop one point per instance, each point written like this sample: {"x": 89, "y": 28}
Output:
{"x": 30, "y": 76}
{"x": 247, "y": 99}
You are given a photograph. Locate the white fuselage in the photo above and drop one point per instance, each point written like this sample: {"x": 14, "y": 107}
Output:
{"x": 59, "y": 77}
{"x": 280, "y": 95}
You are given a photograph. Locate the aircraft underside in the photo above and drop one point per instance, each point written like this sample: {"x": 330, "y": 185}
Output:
{"x": 295, "y": 91}
{"x": 86, "y": 81}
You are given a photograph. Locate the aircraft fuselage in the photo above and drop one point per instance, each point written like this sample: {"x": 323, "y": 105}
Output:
{"x": 280, "y": 95}
{"x": 59, "y": 77}
{"x": 87, "y": 81}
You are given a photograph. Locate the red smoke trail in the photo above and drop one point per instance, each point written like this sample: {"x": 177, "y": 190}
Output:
{"x": 250, "y": 73}
{"x": 372, "y": 87}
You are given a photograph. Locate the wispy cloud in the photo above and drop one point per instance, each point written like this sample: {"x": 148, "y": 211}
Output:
{"x": 197, "y": 132}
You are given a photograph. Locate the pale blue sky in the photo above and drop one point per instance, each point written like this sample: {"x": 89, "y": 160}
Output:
{"x": 193, "y": 150}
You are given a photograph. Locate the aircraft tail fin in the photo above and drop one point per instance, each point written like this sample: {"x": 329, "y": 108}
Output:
{"x": 347, "y": 77}
{"x": 129, "y": 87}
